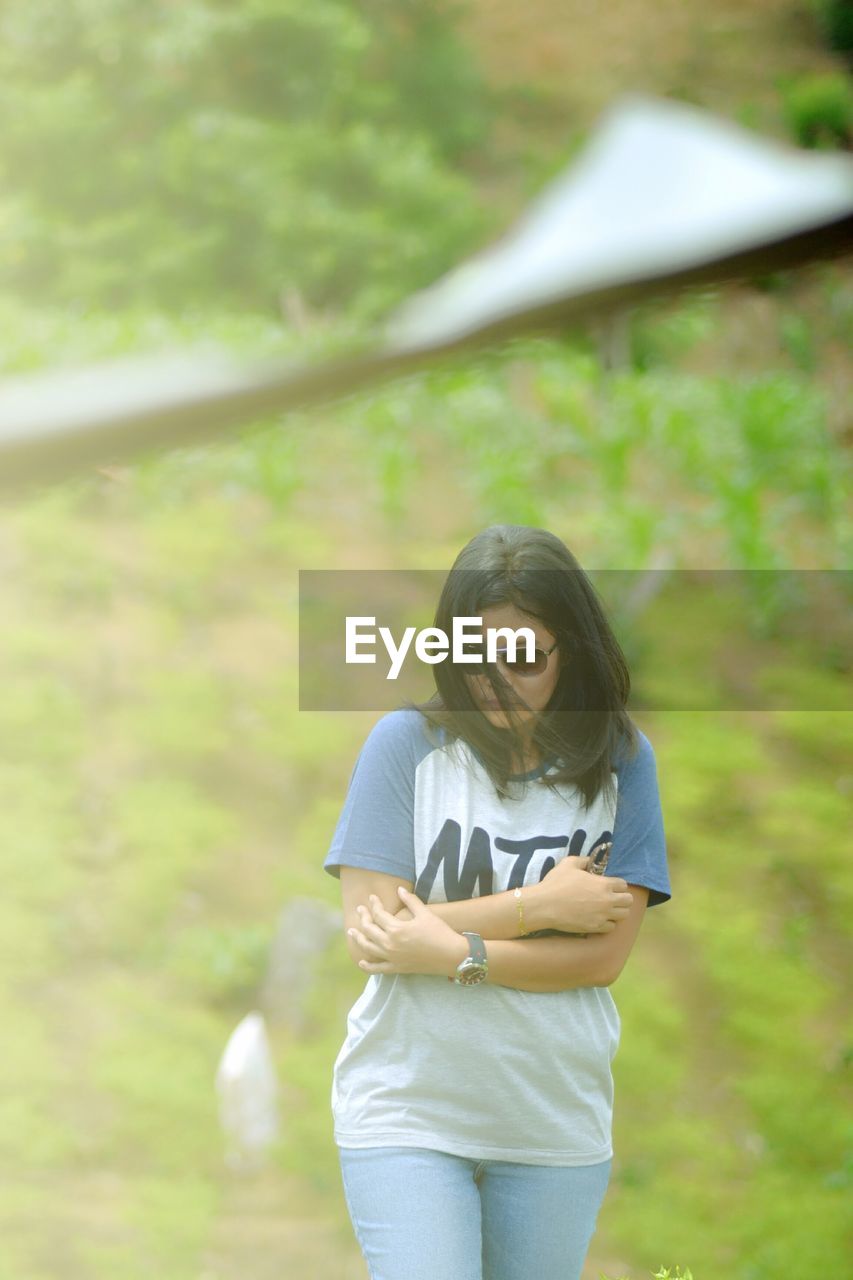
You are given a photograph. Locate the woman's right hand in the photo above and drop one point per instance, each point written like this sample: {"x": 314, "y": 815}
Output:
{"x": 578, "y": 902}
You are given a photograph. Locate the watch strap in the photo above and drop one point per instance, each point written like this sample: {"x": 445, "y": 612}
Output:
{"x": 475, "y": 959}
{"x": 476, "y": 946}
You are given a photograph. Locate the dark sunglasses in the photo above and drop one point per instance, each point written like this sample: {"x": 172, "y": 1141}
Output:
{"x": 519, "y": 664}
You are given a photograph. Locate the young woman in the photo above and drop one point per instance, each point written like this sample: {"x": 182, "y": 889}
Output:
{"x": 472, "y": 1096}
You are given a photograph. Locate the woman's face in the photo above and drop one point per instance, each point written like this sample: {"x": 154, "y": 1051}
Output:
{"x": 529, "y": 694}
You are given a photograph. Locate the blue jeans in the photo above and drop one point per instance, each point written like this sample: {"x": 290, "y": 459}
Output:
{"x": 420, "y": 1214}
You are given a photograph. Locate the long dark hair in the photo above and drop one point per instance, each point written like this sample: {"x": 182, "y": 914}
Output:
{"x": 585, "y": 723}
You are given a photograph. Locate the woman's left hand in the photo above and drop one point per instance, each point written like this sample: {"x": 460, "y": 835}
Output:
{"x": 423, "y": 943}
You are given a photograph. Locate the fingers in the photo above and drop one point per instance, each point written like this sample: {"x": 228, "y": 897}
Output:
{"x": 411, "y": 900}
{"x": 616, "y": 914}
{"x": 368, "y": 946}
{"x": 583, "y": 863}
{"x": 376, "y": 909}
{"x": 370, "y": 929}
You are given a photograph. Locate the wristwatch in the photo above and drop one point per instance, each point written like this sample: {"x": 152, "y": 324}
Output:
{"x": 475, "y": 966}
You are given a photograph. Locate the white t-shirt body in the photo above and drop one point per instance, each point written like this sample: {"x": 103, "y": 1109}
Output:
{"x": 485, "y": 1071}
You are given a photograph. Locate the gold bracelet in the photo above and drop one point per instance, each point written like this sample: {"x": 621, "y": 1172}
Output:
{"x": 517, "y": 894}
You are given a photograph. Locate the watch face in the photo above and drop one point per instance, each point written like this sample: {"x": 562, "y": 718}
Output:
{"x": 470, "y": 972}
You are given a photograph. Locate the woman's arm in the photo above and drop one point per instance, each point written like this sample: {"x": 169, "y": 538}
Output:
{"x": 382, "y": 942}
{"x": 563, "y": 963}
{"x": 357, "y": 887}
{"x": 495, "y": 915}
{"x": 567, "y": 900}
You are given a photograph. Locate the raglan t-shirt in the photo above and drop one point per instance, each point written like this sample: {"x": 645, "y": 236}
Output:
{"x": 485, "y": 1071}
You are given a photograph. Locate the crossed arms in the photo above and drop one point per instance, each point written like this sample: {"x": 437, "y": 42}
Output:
{"x": 390, "y": 933}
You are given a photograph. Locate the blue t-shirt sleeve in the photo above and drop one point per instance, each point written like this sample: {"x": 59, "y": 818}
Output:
{"x": 638, "y": 854}
{"x": 375, "y": 829}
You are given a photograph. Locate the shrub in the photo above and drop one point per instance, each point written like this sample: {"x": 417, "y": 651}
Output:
{"x": 176, "y": 154}
{"x": 819, "y": 110}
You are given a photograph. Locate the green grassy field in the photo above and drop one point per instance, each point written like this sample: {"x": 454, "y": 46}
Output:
{"x": 164, "y": 798}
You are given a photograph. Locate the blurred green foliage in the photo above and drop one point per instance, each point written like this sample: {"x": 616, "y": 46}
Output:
{"x": 819, "y": 110}
{"x": 234, "y": 152}
{"x": 666, "y": 1274}
{"x": 166, "y": 792}
{"x": 271, "y": 176}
